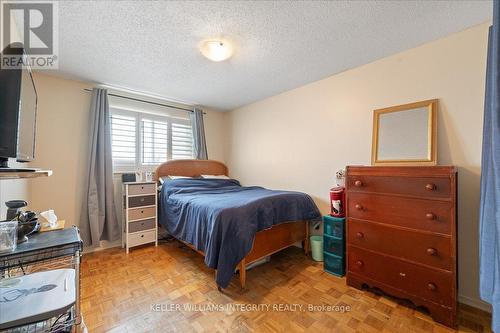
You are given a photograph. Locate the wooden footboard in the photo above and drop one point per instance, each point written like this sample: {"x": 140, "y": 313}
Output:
{"x": 275, "y": 239}
{"x": 270, "y": 241}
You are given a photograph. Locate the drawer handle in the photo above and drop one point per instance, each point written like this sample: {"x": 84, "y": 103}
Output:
{"x": 358, "y": 207}
{"x": 359, "y": 263}
{"x": 402, "y": 274}
{"x": 142, "y": 187}
{"x": 358, "y": 183}
{"x": 142, "y": 212}
{"x": 431, "y": 286}
{"x": 360, "y": 235}
{"x": 430, "y": 187}
{"x": 142, "y": 199}
{"x": 432, "y": 251}
{"x": 430, "y": 216}
{"x": 142, "y": 235}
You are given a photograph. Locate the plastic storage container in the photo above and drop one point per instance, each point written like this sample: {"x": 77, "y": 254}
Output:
{"x": 333, "y": 226}
{"x": 8, "y": 236}
{"x": 333, "y": 264}
{"x": 317, "y": 248}
{"x": 334, "y": 245}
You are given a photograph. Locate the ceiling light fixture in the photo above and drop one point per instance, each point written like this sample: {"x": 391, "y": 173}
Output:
{"x": 216, "y": 50}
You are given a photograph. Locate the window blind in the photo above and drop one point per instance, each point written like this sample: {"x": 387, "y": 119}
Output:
{"x": 182, "y": 141}
{"x": 123, "y": 139}
{"x": 154, "y": 141}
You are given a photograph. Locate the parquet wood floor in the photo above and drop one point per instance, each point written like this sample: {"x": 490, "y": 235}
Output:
{"x": 118, "y": 291}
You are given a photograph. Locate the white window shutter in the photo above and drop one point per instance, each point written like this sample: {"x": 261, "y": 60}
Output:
{"x": 143, "y": 141}
{"x": 182, "y": 140}
{"x": 123, "y": 140}
{"x": 154, "y": 141}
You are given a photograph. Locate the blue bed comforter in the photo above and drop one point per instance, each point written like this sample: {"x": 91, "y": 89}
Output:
{"x": 220, "y": 217}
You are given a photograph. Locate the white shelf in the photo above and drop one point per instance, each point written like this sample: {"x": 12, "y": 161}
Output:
{"x": 24, "y": 174}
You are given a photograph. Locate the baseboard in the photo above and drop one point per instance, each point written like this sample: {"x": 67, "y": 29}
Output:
{"x": 475, "y": 303}
{"x": 103, "y": 246}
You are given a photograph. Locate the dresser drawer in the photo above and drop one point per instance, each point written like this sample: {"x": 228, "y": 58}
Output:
{"x": 425, "y": 283}
{"x": 421, "y": 214}
{"x": 427, "y": 187}
{"x": 143, "y": 200}
{"x": 141, "y": 238}
{"x": 141, "y": 213}
{"x": 141, "y": 225}
{"x": 137, "y": 189}
{"x": 423, "y": 248}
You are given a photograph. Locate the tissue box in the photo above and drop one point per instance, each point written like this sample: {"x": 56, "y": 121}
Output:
{"x": 59, "y": 225}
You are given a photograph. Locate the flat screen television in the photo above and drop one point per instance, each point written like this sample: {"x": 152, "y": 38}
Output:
{"x": 18, "y": 107}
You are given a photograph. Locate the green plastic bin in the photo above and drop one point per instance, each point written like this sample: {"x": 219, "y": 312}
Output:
{"x": 317, "y": 248}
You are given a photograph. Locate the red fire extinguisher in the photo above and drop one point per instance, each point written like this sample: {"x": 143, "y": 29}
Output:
{"x": 337, "y": 201}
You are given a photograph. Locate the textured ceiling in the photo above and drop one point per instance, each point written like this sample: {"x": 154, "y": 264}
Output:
{"x": 153, "y": 46}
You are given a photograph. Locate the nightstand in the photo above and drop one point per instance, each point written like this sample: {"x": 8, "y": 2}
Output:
{"x": 140, "y": 214}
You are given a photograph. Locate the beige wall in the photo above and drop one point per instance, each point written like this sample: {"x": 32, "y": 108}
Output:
{"x": 298, "y": 139}
{"x": 13, "y": 189}
{"x": 62, "y": 145}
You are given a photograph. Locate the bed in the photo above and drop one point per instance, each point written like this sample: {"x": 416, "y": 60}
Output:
{"x": 230, "y": 225}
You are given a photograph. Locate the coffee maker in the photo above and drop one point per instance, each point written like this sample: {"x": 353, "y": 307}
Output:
{"x": 27, "y": 222}
{"x": 14, "y": 208}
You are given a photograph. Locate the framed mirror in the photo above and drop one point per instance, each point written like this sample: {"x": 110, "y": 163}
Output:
{"x": 405, "y": 134}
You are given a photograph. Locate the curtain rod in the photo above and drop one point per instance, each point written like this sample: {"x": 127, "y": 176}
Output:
{"x": 148, "y": 102}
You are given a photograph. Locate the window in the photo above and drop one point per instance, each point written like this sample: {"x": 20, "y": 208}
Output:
{"x": 143, "y": 141}
{"x": 123, "y": 140}
{"x": 182, "y": 141}
{"x": 154, "y": 141}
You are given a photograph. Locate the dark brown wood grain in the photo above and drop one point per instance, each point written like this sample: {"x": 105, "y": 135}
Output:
{"x": 425, "y": 248}
{"x": 418, "y": 214}
{"x": 440, "y": 313}
{"x": 426, "y": 187}
{"x": 414, "y": 279}
{"x": 401, "y": 234}
{"x": 404, "y": 171}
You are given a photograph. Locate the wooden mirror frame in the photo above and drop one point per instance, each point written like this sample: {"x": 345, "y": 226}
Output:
{"x": 431, "y": 159}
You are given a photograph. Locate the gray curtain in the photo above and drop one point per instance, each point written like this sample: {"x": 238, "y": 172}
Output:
{"x": 199, "y": 143}
{"x": 99, "y": 220}
{"x": 489, "y": 215}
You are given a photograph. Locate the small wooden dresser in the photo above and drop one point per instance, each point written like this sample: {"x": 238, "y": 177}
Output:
{"x": 140, "y": 216}
{"x": 401, "y": 234}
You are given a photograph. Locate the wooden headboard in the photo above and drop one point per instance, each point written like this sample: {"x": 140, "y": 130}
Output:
{"x": 190, "y": 168}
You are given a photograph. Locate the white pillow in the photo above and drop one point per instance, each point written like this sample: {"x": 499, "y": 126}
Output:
{"x": 215, "y": 177}
{"x": 178, "y": 177}
{"x": 162, "y": 179}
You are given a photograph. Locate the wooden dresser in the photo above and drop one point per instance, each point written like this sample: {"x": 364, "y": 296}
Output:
{"x": 402, "y": 234}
